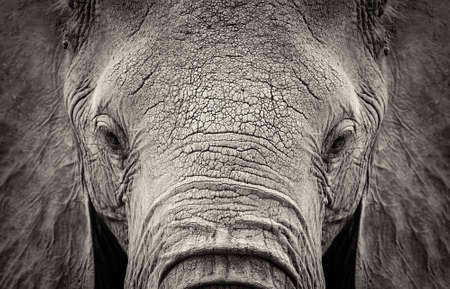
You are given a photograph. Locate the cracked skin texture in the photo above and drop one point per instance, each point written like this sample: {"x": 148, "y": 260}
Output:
{"x": 224, "y": 144}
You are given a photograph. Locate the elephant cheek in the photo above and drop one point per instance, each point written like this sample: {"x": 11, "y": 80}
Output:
{"x": 216, "y": 235}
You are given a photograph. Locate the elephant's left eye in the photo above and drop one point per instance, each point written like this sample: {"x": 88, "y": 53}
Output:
{"x": 339, "y": 139}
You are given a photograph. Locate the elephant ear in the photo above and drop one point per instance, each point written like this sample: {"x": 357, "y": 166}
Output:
{"x": 45, "y": 232}
{"x": 404, "y": 229}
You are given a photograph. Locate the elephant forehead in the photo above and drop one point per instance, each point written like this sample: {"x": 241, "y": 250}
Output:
{"x": 260, "y": 78}
{"x": 229, "y": 88}
{"x": 226, "y": 97}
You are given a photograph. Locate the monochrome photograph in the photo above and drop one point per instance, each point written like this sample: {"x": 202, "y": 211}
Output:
{"x": 225, "y": 144}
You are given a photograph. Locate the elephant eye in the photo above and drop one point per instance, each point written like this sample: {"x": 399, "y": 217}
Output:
{"x": 339, "y": 143}
{"x": 109, "y": 135}
{"x": 339, "y": 139}
{"x": 110, "y": 138}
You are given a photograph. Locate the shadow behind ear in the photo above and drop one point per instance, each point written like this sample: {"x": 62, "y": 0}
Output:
{"x": 340, "y": 258}
{"x": 404, "y": 235}
{"x": 109, "y": 258}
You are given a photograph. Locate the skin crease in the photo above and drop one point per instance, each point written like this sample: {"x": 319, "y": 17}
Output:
{"x": 216, "y": 144}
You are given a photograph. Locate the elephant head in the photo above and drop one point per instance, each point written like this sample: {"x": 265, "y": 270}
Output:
{"x": 224, "y": 144}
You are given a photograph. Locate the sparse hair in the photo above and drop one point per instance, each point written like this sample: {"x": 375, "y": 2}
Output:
{"x": 376, "y": 20}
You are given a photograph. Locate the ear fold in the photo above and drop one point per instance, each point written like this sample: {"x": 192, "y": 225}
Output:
{"x": 45, "y": 234}
{"x": 404, "y": 232}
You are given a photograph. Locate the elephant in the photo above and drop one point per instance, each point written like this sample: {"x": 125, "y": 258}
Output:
{"x": 224, "y": 144}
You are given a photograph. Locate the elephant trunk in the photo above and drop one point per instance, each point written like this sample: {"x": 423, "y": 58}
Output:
{"x": 225, "y": 270}
{"x": 211, "y": 233}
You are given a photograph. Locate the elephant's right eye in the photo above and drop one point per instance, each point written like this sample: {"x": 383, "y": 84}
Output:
{"x": 109, "y": 135}
{"x": 109, "y": 138}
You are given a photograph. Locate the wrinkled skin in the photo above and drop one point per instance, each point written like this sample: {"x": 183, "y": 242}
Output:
{"x": 224, "y": 144}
